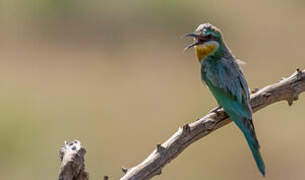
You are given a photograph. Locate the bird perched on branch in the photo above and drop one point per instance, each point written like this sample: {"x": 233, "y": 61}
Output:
{"x": 224, "y": 78}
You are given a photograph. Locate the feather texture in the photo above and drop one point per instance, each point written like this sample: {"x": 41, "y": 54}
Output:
{"x": 227, "y": 83}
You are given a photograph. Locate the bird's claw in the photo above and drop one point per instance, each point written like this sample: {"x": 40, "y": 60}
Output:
{"x": 215, "y": 110}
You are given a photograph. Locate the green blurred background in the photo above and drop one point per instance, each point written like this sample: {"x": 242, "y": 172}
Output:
{"x": 113, "y": 75}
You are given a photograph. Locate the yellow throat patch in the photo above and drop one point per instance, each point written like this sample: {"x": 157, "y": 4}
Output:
{"x": 203, "y": 51}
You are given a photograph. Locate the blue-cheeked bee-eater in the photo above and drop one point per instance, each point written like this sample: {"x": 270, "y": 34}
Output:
{"x": 224, "y": 78}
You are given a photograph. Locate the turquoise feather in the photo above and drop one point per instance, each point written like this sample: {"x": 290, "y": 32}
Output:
{"x": 228, "y": 93}
{"x": 222, "y": 75}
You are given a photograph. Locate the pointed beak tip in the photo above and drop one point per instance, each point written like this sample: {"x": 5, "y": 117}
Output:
{"x": 185, "y": 49}
{"x": 188, "y": 35}
{"x": 182, "y": 36}
{"x": 193, "y": 34}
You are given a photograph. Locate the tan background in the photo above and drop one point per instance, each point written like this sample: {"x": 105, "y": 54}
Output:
{"x": 112, "y": 74}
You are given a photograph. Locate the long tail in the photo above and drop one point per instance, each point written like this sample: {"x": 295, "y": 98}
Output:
{"x": 248, "y": 130}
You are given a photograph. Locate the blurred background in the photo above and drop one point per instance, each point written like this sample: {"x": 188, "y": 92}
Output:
{"x": 113, "y": 75}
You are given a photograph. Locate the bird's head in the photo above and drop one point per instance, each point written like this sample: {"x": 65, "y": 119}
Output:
{"x": 207, "y": 40}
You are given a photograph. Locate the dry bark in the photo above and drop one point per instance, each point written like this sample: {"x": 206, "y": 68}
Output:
{"x": 287, "y": 89}
{"x": 72, "y": 162}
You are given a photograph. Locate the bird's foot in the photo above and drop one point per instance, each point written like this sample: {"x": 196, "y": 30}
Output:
{"x": 215, "y": 110}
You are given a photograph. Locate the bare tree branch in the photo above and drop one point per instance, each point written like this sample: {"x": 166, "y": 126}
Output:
{"x": 287, "y": 89}
{"x": 72, "y": 162}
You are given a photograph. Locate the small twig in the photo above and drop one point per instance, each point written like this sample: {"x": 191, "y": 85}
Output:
{"x": 124, "y": 170}
{"x": 287, "y": 89}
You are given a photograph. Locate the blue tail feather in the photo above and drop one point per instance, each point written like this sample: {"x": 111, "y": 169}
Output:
{"x": 247, "y": 128}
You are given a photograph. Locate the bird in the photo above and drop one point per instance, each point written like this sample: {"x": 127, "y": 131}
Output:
{"x": 223, "y": 76}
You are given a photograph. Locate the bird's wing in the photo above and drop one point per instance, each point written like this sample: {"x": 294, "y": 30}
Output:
{"x": 238, "y": 105}
{"x": 233, "y": 80}
{"x": 230, "y": 84}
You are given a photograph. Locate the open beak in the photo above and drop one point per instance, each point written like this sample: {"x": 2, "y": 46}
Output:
{"x": 198, "y": 37}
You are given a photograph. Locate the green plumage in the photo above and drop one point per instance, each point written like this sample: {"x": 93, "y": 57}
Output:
{"x": 222, "y": 75}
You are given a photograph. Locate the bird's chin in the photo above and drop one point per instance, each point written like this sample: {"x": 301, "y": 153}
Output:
{"x": 204, "y": 50}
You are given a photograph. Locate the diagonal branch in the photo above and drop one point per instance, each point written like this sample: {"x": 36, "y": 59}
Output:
{"x": 287, "y": 89}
